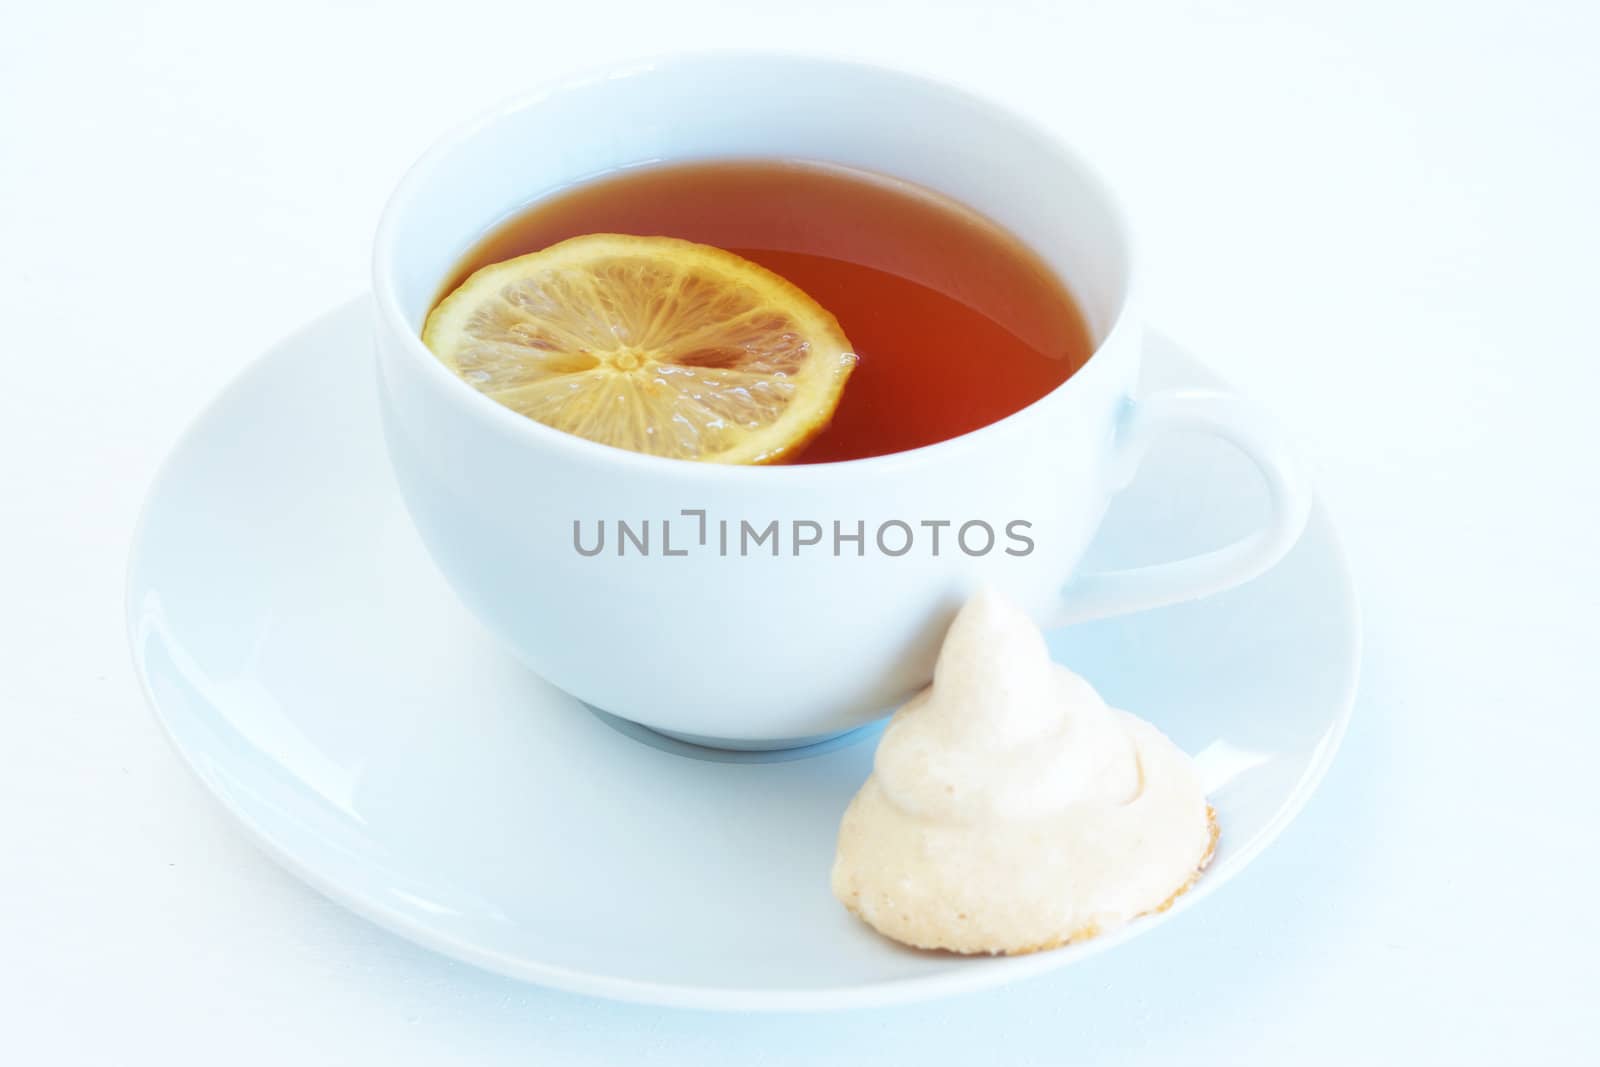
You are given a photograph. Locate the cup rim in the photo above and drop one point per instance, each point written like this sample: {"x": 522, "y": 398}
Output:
{"x": 388, "y": 309}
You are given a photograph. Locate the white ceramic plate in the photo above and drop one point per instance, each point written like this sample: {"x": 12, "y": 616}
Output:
{"x": 316, "y": 673}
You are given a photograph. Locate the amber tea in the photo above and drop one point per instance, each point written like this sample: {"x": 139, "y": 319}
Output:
{"x": 955, "y": 322}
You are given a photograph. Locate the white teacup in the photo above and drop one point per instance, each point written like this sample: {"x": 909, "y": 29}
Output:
{"x": 750, "y": 648}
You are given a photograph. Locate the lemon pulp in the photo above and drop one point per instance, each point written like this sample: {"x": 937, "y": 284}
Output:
{"x": 652, "y": 344}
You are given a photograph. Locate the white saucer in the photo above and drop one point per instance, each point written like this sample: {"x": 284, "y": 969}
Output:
{"x": 319, "y": 677}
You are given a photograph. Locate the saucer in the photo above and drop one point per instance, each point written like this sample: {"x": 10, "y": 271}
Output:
{"x": 319, "y": 677}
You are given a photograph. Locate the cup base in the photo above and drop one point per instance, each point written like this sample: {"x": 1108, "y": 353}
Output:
{"x": 732, "y": 750}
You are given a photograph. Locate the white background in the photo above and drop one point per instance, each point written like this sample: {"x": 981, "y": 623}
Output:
{"x": 1378, "y": 219}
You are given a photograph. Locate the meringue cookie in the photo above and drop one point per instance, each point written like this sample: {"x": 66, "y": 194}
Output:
{"x": 1010, "y": 810}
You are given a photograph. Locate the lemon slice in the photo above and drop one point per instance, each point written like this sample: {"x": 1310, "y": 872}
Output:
{"x": 651, "y": 344}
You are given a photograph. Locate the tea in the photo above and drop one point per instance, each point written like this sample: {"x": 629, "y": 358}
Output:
{"x": 955, "y": 321}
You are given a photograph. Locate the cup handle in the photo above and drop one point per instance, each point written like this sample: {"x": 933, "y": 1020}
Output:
{"x": 1105, "y": 593}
